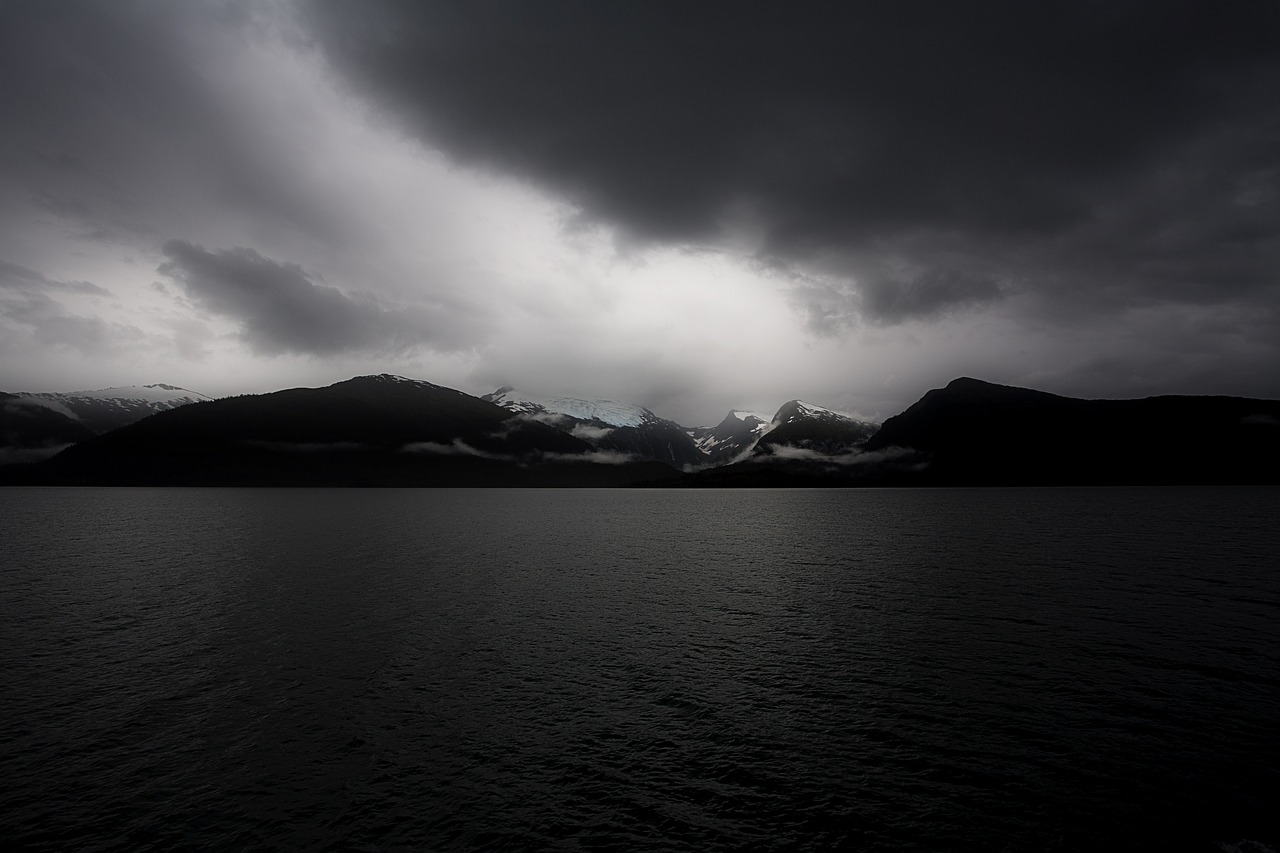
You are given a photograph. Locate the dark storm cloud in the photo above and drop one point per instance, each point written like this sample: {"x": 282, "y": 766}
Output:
{"x": 1101, "y": 153}
{"x": 831, "y": 306}
{"x": 925, "y": 294}
{"x": 1082, "y": 196}
{"x": 109, "y": 110}
{"x": 282, "y": 309}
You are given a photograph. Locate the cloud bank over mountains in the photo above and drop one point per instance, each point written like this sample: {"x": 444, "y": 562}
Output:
{"x": 722, "y": 203}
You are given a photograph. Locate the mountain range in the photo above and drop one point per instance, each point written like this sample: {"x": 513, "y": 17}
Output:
{"x": 391, "y": 431}
{"x": 37, "y": 425}
{"x": 732, "y": 438}
{"x": 607, "y": 425}
{"x": 110, "y": 408}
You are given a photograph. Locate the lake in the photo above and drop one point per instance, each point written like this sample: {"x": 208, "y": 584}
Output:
{"x": 1016, "y": 669}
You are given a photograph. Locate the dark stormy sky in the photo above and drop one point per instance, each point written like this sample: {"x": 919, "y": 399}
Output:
{"x": 689, "y": 205}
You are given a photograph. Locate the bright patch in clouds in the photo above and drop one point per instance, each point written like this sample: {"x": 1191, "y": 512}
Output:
{"x": 326, "y": 242}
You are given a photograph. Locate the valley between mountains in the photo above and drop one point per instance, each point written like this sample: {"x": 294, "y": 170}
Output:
{"x": 388, "y": 430}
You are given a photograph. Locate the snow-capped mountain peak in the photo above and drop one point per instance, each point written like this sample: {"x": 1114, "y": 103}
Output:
{"x": 389, "y": 380}
{"x": 800, "y": 410}
{"x": 609, "y": 412}
{"x": 814, "y": 432}
{"x": 735, "y": 434}
{"x": 157, "y": 393}
{"x": 750, "y": 418}
{"x": 104, "y": 409}
{"x": 609, "y": 425}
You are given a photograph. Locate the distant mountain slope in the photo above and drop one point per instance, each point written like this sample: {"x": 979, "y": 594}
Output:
{"x": 974, "y": 432}
{"x": 806, "y": 429}
{"x": 30, "y": 431}
{"x": 801, "y": 445}
{"x": 607, "y": 425}
{"x": 370, "y": 430}
{"x": 609, "y": 412}
{"x": 388, "y": 430}
{"x": 977, "y": 433}
{"x": 110, "y": 408}
{"x": 736, "y": 434}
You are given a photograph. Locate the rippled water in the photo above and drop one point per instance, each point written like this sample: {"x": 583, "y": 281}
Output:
{"x": 636, "y": 670}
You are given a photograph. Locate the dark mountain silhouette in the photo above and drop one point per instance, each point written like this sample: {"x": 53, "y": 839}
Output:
{"x": 974, "y": 432}
{"x": 977, "y": 433}
{"x": 371, "y": 430}
{"x": 30, "y": 431}
{"x": 664, "y": 441}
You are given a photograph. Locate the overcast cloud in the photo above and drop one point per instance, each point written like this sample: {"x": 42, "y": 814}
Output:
{"x": 280, "y": 308}
{"x": 692, "y": 206}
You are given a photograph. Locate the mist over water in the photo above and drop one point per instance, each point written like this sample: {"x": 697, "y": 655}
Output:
{"x": 687, "y": 670}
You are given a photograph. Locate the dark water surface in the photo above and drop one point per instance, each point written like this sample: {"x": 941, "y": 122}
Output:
{"x": 1029, "y": 669}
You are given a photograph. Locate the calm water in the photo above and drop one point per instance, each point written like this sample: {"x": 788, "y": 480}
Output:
{"x": 640, "y": 670}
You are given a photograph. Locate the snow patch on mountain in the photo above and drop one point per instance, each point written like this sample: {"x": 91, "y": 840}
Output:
{"x": 812, "y": 411}
{"x": 609, "y": 412}
{"x": 105, "y": 409}
{"x": 158, "y": 393}
{"x": 751, "y": 419}
{"x": 396, "y": 379}
{"x": 735, "y": 434}
{"x": 799, "y": 410}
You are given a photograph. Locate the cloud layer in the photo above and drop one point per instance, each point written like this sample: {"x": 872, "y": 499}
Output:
{"x": 933, "y": 155}
{"x": 282, "y": 309}
{"x": 689, "y": 206}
